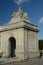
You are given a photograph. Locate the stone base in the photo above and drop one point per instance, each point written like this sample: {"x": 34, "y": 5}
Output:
{"x": 27, "y": 55}
{"x": 34, "y": 55}
{"x": 24, "y": 55}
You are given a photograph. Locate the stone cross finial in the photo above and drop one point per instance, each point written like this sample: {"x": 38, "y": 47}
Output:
{"x": 19, "y": 12}
{"x": 20, "y": 9}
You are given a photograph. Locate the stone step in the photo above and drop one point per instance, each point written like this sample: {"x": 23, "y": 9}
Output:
{"x": 7, "y": 60}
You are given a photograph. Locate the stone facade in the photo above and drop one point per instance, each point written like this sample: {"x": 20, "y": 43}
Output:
{"x": 25, "y": 35}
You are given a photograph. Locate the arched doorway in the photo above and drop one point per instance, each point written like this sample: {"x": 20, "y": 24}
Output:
{"x": 12, "y": 41}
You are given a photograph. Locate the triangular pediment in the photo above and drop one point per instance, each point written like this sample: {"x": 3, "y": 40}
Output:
{"x": 19, "y": 16}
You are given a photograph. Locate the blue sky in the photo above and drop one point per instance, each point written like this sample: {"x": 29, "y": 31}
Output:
{"x": 34, "y": 8}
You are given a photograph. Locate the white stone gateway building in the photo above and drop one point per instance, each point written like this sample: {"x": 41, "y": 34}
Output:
{"x": 18, "y": 38}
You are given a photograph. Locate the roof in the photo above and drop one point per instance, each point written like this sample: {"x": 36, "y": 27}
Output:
{"x": 19, "y": 19}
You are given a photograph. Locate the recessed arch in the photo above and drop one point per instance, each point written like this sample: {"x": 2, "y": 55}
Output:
{"x": 12, "y": 41}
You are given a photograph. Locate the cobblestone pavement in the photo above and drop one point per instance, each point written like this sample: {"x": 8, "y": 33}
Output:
{"x": 30, "y": 62}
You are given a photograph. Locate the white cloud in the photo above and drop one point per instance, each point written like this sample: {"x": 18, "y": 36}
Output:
{"x": 20, "y": 1}
{"x": 41, "y": 20}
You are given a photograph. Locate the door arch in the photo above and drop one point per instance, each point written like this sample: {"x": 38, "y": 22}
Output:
{"x": 12, "y": 41}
